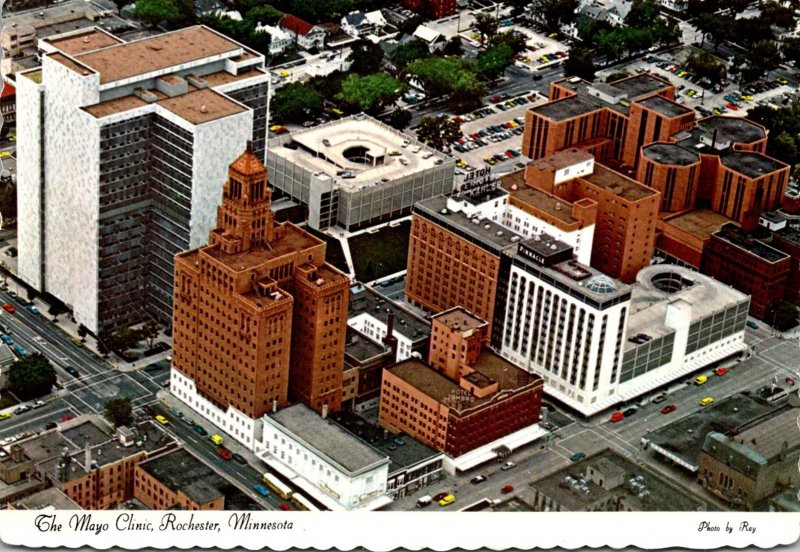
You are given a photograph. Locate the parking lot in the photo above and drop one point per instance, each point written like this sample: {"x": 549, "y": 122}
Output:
{"x": 732, "y": 99}
{"x": 539, "y": 46}
{"x": 487, "y": 139}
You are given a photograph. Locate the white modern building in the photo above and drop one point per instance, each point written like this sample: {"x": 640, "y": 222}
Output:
{"x": 280, "y": 39}
{"x": 324, "y": 460}
{"x": 123, "y": 150}
{"x": 598, "y": 342}
{"x": 355, "y": 172}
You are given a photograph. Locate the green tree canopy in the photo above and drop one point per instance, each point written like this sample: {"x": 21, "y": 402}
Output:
{"x": 264, "y": 14}
{"x": 453, "y": 47}
{"x": 366, "y": 57}
{"x": 149, "y": 332}
{"x": 121, "y": 340}
{"x": 172, "y": 13}
{"x": 514, "y": 40}
{"x": 558, "y": 12}
{"x": 485, "y": 25}
{"x": 494, "y": 60}
{"x": 294, "y": 102}
{"x": 31, "y": 376}
{"x": 784, "y": 125}
{"x": 121, "y": 4}
{"x": 399, "y": 119}
{"x": 785, "y": 317}
{"x": 118, "y": 411}
{"x": 371, "y": 93}
{"x": 706, "y": 66}
{"x": 409, "y": 52}
{"x": 438, "y": 132}
{"x": 448, "y": 76}
{"x": 580, "y": 64}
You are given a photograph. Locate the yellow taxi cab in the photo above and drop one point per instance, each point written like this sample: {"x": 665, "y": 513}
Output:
{"x": 337, "y": 111}
{"x": 446, "y": 501}
{"x": 162, "y": 420}
{"x": 552, "y": 35}
{"x": 273, "y": 128}
{"x": 700, "y": 380}
{"x": 285, "y": 74}
{"x": 5, "y": 415}
{"x": 706, "y": 401}
{"x": 4, "y": 154}
{"x": 77, "y": 342}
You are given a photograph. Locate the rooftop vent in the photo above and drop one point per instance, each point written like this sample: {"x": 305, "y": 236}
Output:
{"x": 487, "y": 226}
{"x": 499, "y": 232}
{"x": 203, "y": 109}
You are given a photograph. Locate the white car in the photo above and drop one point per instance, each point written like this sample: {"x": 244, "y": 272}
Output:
{"x": 416, "y": 149}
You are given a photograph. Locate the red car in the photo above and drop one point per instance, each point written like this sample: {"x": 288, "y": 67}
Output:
{"x": 617, "y": 416}
{"x": 9, "y": 308}
{"x": 285, "y": 507}
{"x": 667, "y": 409}
{"x": 732, "y": 107}
{"x": 790, "y": 381}
{"x": 507, "y": 489}
{"x": 495, "y": 99}
{"x": 225, "y": 453}
{"x": 721, "y": 371}
{"x": 67, "y": 418}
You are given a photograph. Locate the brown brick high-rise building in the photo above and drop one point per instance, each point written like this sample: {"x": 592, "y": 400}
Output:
{"x": 259, "y": 316}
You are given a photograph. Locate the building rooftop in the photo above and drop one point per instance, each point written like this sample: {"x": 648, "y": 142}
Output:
{"x": 732, "y": 129}
{"x": 364, "y": 300}
{"x": 158, "y": 53}
{"x": 363, "y": 146}
{"x": 179, "y": 470}
{"x": 670, "y": 154}
{"x": 361, "y": 348}
{"x": 666, "y": 107}
{"x": 767, "y": 437}
{"x": 88, "y": 40}
{"x": 751, "y": 164}
{"x": 444, "y": 390}
{"x": 640, "y": 84}
{"x": 484, "y": 231}
{"x": 52, "y": 19}
{"x": 565, "y": 108}
{"x": 535, "y": 201}
{"x": 219, "y": 78}
{"x": 700, "y": 223}
{"x": 460, "y": 319}
{"x": 562, "y": 159}
{"x": 683, "y": 439}
{"x": 747, "y": 241}
{"x": 327, "y": 438}
{"x": 659, "y": 285}
{"x": 411, "y": 452}
{"x": 618, "y": 184}
{"x": 604, "y": 480}
{"x": 47, "y": 499}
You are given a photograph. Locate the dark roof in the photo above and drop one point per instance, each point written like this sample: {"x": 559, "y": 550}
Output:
{"x": 365, "y": 300}
{"x": 664, "y": 106}
{"x": 180, "y": 470}
{"x": 565, "y": 108}
{"x": 734, "y": 129}
{"x": 639, "y": 85}
{"x": 355, "y": 18}
{"x": 670, "y": 154}
{"x": 361, "y": 348}
{"x": 742, "y": 238}
{"x": 751, "y": 164}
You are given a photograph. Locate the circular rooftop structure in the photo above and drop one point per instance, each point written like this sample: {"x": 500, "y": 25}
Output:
{"x": 601, "y": 284}
{"x": 670, "y": 154}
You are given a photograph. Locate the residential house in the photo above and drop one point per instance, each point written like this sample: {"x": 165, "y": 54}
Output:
{"x": 280, "y": 38}
{"x": 303, "y": 33}
{"x": 359, "y": 24}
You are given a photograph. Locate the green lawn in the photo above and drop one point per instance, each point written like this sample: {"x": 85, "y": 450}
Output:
{"x": 380, "y": 254}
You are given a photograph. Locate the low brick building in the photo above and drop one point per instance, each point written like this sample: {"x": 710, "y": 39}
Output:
{"x": 177, "y": 480}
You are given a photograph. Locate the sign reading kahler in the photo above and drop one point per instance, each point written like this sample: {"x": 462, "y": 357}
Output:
{"x": 377, "y": 530}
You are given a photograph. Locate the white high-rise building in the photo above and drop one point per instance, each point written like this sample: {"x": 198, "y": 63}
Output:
{"x": 123, "y": 148}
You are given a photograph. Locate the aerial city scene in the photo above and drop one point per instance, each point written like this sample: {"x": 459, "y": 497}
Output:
{"x": 401, "y": 255}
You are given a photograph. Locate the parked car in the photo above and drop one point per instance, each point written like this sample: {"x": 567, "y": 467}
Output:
{"x": 162, "y": 420}
{"x": 507, "y": 489}
{"x": 721, "y": 371}
{"x": 706, "y": 401}
{"x": 617, "y": 416}
{"x": 629, "y": 412}
{"x": 72, "y": 371}
{"x": 51, "y": 425}
{"x": 285, "y": 507}
{"x": 508, "y": 465}
{"x": 261, "y": 489}
{"x": 659, "y": 399}
{"x": 21, "y": 409}
{"x": 478, "y": 479}
{"x": 9, "y": 308}
{"x": 239, "y": 458}
{"x": 67, "y": 418}
{"x": 667, "y": 409}
{"x": 200, "y": 430}
{"x": 577, "y": 457}
{"x": 789, "y": 380}
{"x": 440, "y": 496}
{"x": 225, "y": 454}
{"x": 700, "y": 380}
{"x": 32, "y": 309}
{"x": 5, "y": 415}
{"x": 448, "y": 500}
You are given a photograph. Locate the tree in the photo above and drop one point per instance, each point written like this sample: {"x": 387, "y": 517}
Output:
{"x": 399, "y": 119}
{"x": 558, "y": 12}
{"x": 706, "y": 66}
{"x": 453, "y": 47}
{"x": 762, "y": 58}
{"x": 172, "y": 13}
{"x": 580, "y": 64}
{"x": 493, "y": 61}
{"x": 778, "y": 15}
{"x": 438, "y": 132}
{"x": 410, "y": 52}
{"x": 8, "y": 200}
{"x": 409, "y": 25}
{"x": 118, "y": 411}
{"x": 616, "y": 75}
{"x": 366, "y": 57}
{"x": 485, "y": 25}
{"x": 371, "y": 93}
{"x": 294, "y": 102}
{"x": 791, "y": 49}
{"x": 121, "y": 340}
{"x": 262, "y": 13}
{"x": 514, "y": 40}
{"x": 149, "y": 332}
{"x": 31, "y": 376}
{"x": 83, "y": 331}
{"x": 784, "y": 317}
{"x": 121, "y": 4}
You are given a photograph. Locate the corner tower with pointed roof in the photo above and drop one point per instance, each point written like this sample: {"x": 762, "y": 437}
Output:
{"x": 259, "y": 318}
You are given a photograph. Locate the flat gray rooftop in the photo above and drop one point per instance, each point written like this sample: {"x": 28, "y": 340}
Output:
{"x": 639, "y": 85}
{"x": 575, "y": 491}
{"x": 565, "y": 108}
{"x": 411, "y": 452}
{"x": 365, "y": 300}
{"x": 670, "y": 154}
{"x": 485, "y": 231}
{"x": 664, "y": 106}
{"x": 48, "y": 498}
{"x": 327, "y": 438}
{"x": 179, "y": 470}
{"x": 745, "y": 240}
{"x": 734, "y": 129}
{"x": 361, "y": 348}
{"x": 751, "y": 164}
{"x": 684, "y": 438}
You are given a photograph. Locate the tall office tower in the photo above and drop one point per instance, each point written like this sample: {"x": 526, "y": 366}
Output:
{"x": 123, "y": 148}
{"x": 258, "y": 315}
